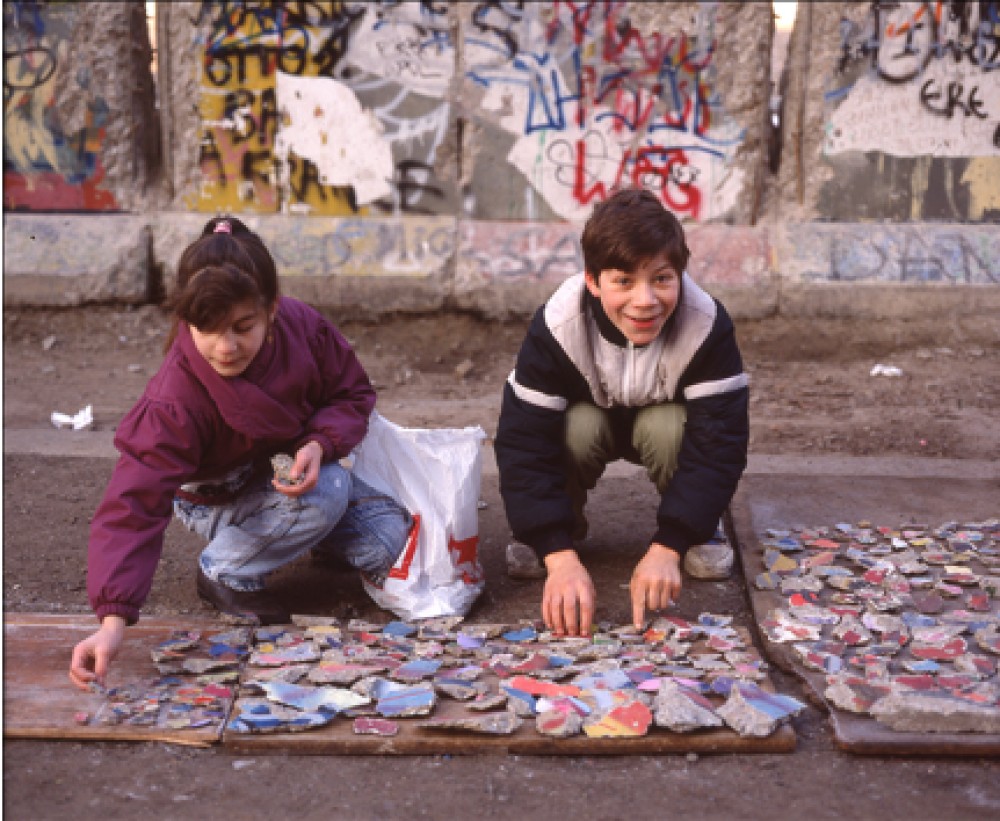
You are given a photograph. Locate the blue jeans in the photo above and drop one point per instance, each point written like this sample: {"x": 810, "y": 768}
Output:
{"x": 264, "y": 530}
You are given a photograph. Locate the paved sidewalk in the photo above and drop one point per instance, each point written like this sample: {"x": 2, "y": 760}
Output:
{"x": 99, "y": 444}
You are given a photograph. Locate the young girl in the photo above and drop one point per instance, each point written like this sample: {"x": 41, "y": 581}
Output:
{"x": 247, "y": 374}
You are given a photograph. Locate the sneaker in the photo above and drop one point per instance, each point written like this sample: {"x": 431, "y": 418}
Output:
{"x": 523, "y": 562}
{"x": 258, "y": 606}
{"x": 711, "y": 561}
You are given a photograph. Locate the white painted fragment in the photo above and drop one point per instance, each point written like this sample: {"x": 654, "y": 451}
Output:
{"x": 323, "y": 121}
{"x": 405, "y": 49}
{"x": 890, "y": 117}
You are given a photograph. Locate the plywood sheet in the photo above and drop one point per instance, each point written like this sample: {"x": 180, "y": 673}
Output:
{"x": 782, "y": 502}
{"x": 39, "y": 699}
{"x": 40, "y": 702}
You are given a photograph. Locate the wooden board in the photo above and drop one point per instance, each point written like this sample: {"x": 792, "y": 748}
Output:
{"x": 339, "y": 739}
{"x": 782, "y": 502}
{"x": 40, "y": 701}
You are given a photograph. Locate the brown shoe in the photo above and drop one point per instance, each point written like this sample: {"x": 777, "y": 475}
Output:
{"x": 258, "y": 607}
{"x": 523, "y": 562}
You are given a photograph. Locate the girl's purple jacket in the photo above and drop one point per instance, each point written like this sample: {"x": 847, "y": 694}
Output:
{"x": 192, "y": 424}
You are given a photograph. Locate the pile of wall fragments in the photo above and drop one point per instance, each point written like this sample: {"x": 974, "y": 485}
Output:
{"x": 674, "y": 676}
{"x": 904, "y": 623}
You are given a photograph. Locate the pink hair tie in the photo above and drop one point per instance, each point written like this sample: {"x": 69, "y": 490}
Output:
{"x": 223, "y": 227}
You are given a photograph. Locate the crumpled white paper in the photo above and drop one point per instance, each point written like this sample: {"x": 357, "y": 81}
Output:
{"x": 83, "y": 419}
{"x": 886, "y": 370}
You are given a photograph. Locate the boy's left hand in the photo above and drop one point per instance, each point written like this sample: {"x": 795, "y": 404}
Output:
{"x": 656, "y": 582}
{"x": 308, "y": 460}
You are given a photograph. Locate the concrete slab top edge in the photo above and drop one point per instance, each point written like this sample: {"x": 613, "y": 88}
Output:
{"x": 100, "y": 445}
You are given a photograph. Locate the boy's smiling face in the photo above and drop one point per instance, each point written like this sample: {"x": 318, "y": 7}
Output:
{"x": 639, "y": 302}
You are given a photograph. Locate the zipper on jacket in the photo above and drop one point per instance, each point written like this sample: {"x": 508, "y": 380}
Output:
{"x": 628, "y": 379}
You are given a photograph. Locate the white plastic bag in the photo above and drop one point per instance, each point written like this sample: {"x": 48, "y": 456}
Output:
{"x": 435, "y": 474}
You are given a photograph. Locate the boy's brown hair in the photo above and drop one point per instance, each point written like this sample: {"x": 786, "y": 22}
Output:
{"x": 628, "y": 228}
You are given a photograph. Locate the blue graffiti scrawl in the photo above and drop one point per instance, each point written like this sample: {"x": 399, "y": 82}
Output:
{"x": 594, "y": 103}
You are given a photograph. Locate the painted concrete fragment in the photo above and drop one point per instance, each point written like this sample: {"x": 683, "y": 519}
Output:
{"x": 559, "y": 723}
{"x": 682, "y": 710}
{"x": 310, "y": 699}
{"x": 630, "y": 720}
{"x": 413, "y": 701}
{"x": 502, "y": 723}
{"x": 488, "y": 701}
{"x": 366, "y": 725}
{"x": 259, "y": 716}
{"x": 935, "y": 713}
{"x": 754, "y": 712}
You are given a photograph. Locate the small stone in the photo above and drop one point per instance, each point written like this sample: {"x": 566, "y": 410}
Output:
{"x": 464, "y": 368}
{"x": 282, "y": 465}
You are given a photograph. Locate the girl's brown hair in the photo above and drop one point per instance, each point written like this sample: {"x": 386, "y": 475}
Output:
{"x": 226, "y": 265}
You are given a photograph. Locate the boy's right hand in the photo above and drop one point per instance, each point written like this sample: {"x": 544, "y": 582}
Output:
{"x": 93, "y": 656}
{"x": 568, "y": 598}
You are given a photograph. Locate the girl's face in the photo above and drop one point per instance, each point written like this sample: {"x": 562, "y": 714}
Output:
{"x": 231, "y": 347}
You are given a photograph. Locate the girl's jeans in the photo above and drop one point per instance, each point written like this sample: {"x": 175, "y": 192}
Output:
{"x": 263, "y": 529}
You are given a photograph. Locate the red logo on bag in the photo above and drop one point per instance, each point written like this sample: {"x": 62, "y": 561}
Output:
{"x": 465, "y": 557}
{"x": 403, "y": 569}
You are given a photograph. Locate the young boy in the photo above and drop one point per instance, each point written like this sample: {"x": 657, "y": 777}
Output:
{"x": 629, "y": 360}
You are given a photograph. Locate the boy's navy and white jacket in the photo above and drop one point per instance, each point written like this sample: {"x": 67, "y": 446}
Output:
{"x": 574, "y": 353}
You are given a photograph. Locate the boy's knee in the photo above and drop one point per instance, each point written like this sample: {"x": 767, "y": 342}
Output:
{"x": 657, "y": 436}
{"x": 587, "y": 430}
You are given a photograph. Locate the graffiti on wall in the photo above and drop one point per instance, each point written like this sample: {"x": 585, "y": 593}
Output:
{"x": 905, "y": 254}
{"x": 47, "y": 167}
{"x": 592, "y": 103}
{"x": 323, "y": 107}
{"x": 414, "y": 247}
{"x": 920, "y": 83}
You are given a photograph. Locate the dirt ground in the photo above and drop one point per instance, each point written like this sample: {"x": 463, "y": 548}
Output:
{"x": 812, "y": 394}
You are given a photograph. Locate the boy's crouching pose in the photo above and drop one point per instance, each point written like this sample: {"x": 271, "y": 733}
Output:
{"x": 629, "y": 360}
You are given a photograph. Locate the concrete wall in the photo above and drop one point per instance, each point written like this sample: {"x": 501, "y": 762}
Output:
{"x": 892, "y": 113}
{"x": 80, "y": 129}
{"x": 413, "y": 156}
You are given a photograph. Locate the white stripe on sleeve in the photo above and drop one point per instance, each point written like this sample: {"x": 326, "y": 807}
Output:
{"x": 533, "y": 397}
{"x": 703, "y": 389}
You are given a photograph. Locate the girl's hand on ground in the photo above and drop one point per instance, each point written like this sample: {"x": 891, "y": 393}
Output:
{"x": 568, "y": 599}
{"x": 308, "y": 461}
{"x": 656, "y": 582}
{"x": 93, "y": 656}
